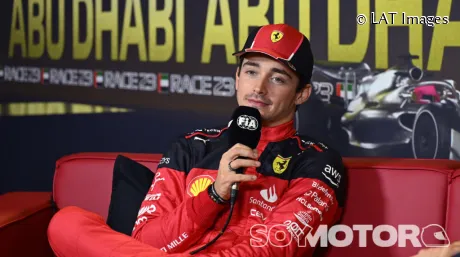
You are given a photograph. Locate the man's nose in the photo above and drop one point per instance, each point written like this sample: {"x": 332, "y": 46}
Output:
{"x": 260, "y": 87}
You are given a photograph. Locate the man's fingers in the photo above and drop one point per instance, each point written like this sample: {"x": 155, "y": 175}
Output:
{"x": 241, "y": 150}
{"x": 244, "y": 163}
{"x": 238, "y": 145}
{"x": 450, "y": 251}
{"x": 244, "y": 177}
{"x": 454, "y": 250}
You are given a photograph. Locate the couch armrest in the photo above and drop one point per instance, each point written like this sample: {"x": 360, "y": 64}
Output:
{"x": 24, "y": 219}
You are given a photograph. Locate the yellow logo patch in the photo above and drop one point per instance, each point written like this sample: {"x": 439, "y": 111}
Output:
{"x": 276, "y": 36}
{"x": 199, "y": 184}
{"x": 280, "y": 164}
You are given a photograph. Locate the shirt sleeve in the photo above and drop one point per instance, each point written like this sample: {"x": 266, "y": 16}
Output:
{"x": 167, "y": 219}
{"x": 311, "y": 205}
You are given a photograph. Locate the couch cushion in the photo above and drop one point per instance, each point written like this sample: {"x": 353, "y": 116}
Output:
{"x": 394, "y": 192}
{"x": 453, "y": 209}
{"x": 131, "y": 183}
{"x": 24, "y": 218}
{"x": 382, "y": 191}
{"x": 85, "y": 179}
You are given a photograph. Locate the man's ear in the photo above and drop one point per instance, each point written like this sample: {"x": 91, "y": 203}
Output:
{"x": 303, "y": 95}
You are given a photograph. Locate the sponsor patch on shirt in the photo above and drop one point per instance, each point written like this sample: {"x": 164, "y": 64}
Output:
{"x": 198, "y": 184}
{"x": 280, "y": 164}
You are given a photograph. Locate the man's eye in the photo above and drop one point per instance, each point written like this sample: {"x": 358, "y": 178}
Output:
{"x": 250, "y": 72}
{"x": 278, "y": 80}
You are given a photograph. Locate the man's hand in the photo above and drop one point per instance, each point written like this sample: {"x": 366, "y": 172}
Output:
{"x": 226, "y": 177}
{"x": 449, "y": 251}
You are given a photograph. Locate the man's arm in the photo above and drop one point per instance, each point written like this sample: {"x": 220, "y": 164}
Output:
{"x": 167, "y": 220}
{"x": 315, "y": 197}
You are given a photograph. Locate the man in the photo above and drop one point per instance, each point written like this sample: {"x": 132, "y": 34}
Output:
{"x": 291, "y": 184}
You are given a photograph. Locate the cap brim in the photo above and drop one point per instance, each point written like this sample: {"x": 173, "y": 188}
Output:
{"x": 268, "y": 52}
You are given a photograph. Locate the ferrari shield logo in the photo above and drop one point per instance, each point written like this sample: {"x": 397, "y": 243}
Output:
{"x": 280, "y": 164}
{"x": 276, "y": 36}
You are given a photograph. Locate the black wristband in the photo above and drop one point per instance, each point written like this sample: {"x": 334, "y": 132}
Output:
{"x": 214, "y": 196}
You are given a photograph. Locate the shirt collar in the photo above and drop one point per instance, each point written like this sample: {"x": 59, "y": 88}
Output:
{"x": 279, "y": 132}
{"x": 276, "y": 133}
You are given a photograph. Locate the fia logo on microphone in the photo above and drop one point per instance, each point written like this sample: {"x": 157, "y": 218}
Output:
{"x": 247, "y": 122}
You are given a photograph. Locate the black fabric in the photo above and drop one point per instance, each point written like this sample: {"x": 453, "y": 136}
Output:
{"x": 131, "y": 182}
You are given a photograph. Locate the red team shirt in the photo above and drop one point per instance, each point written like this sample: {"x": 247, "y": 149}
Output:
{"x": 300, "y": 185}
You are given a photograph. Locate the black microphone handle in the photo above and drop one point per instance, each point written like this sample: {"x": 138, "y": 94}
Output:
{"x": 235, "y": 185}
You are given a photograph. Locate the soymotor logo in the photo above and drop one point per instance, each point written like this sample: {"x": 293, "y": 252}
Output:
{"x": 432, "y": 235}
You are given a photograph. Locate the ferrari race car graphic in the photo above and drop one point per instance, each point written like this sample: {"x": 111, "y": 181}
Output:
{"x": 382, "y": 113}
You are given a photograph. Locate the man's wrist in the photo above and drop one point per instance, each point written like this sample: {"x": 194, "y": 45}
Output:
{"x": 215, "y": 196}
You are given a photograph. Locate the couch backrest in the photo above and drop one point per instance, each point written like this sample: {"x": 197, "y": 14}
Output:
{"x": 453, "y": 208}
{"x": 382, "y": 191}
{"x": 399, "y": 192}
{"x": 85, "y": 179}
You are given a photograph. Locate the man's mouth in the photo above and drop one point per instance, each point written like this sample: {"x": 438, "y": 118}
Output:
{"x": 257, "y": 103}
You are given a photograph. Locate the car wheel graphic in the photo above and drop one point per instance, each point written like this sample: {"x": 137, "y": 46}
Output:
{"x": 430, "y": 134}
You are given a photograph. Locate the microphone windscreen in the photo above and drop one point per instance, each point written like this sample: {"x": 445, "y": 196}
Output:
{"x": 245, "y": 127}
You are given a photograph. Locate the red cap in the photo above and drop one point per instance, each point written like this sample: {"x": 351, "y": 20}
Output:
{"x": 284, "y": 43}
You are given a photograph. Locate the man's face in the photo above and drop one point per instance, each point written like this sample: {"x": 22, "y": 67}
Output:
{"x": 269, "y": 86}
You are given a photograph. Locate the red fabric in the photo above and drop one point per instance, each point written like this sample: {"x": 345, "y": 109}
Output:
{"x": 73, "y": 171}
{"x": 24, "y": 218}
{"x": 381, "y": 191}
{"x": 453, "y": 208}
{"x": 176, "y": 219}
{"x": 79, "y": 233}
{"x": 187, "y": 222}
{"x": 393, "y": 193}
{"x": 289, "y": 41}
{"x": 171, "y": 216}
{"x": 192, "y": 218}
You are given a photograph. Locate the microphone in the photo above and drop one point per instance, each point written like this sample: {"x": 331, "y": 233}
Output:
{"x": 245, "y": 128}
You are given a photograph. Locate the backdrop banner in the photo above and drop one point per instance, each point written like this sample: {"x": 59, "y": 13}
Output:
{"x": 384, "y": 81}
